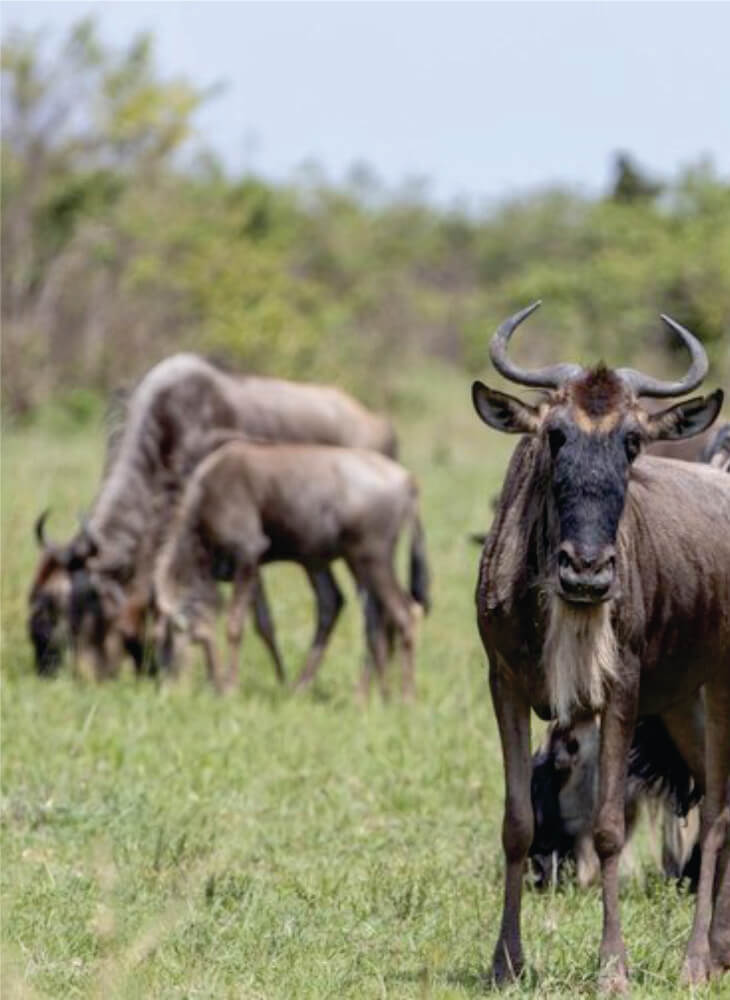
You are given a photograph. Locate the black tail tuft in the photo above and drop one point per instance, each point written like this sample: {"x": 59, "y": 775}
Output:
{"x": 419, "y": 573}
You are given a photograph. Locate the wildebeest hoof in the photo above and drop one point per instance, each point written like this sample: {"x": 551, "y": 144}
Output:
{"x": 613, "y": 981}
{"x": 506, "y": 968}
{"x": 697, "y": 968}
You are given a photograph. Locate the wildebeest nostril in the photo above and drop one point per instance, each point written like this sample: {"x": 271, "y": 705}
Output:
{"x": 586, "y": 575}
{"x": 585, "y": 560}
{"x": 571, "y": 559}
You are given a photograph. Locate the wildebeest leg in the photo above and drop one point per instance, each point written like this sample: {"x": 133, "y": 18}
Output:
{"x": 203, "y": 633}
{"x": 243, "y": 587}
{"x": 363, "y": 688}
{"x": 265, "y": 628}
{"x": 329, "y": 604}
{"x": 617, "y": 727}
{"x": 720, "y": 927}
{"x": 587, "y": 864}
{"x": 134, "y": 648}
{"x": 376, "y": 646}
{"x": 713, "y": 835}
{"x": 395, "y": 605}
{"x": 513, "y": 718}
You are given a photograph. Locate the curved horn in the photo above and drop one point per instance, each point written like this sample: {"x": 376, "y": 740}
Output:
{"x": 546, "y": 378}
{"x": 645, "y": 385}
{"x": 39, "y": 529}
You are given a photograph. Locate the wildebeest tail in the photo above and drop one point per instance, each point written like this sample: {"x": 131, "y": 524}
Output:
{"x": 657, "y": 765}
{"x": 420, "y": 577}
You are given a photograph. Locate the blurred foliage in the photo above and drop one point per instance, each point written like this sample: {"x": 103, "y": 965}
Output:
{"x": 115, "y": 253}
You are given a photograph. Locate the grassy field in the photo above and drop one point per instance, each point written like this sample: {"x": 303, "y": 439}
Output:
{"x": 169, "y": 843}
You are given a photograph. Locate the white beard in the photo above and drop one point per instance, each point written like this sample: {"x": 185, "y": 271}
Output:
{"x": 580, "y": 658}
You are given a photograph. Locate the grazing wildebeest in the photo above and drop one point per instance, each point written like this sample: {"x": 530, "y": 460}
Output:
{"x": 604, "y": 586}
{"x": 98, "y": 585}
{"x": 564, "y": 792}
{"x": 249, "y": 503}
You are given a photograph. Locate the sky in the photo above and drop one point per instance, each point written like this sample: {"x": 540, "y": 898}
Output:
{"x": 485, "y": 100}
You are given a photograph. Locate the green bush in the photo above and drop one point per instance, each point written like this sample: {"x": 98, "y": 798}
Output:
{"x": 115, "y": 256}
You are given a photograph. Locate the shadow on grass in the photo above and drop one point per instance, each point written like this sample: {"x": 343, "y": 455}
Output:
{"x": 476, "y": 982}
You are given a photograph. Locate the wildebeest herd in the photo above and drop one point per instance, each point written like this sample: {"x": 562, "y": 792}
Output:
{"x": 602, "y": 598}
{"x": 210, "y": 475}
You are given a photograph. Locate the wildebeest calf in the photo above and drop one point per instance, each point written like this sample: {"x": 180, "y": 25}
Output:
{"x": 250, "y": 503}
{"x": 564, "y": 792}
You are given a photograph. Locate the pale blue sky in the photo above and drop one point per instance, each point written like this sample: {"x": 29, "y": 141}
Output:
{"x": 484, "y": 99}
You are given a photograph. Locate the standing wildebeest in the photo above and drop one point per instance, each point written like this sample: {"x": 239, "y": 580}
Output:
{"x": 249, "y": 503}
{"x": 98, "y": 586}
{"x": 604, "y": 586}
{"x": 565, "y": 771}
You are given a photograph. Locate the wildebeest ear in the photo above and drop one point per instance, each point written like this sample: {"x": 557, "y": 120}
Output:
{"x": 685, "y": 419}
{"x": 503, "y": 412}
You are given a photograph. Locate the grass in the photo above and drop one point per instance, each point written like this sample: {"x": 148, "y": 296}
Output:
{"x": 169, "y": 843}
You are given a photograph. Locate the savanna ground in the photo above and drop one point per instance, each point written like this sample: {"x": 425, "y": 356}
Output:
{"x": 170, "y": 843}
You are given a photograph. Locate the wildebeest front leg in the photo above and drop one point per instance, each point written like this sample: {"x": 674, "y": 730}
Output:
{"x": 513, "y": 717}
{"x": 329, "y": 604}
{"x": 265, "y": 628}
{"x": 203, "y": 634}
{"x": 617, "y": 726}
{"x": 243, "y": 588}
{"x": 393, "y": 609}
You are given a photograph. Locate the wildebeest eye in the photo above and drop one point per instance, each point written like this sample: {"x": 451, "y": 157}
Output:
{"x": 572, "y": 746}
{"x": 556, "y": 440}
{"x": 632, "y": 443}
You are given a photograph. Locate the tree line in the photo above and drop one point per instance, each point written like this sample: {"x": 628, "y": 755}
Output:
{"x": 116, "y": 250}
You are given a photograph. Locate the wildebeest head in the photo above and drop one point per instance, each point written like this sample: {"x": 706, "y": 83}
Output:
{"x": 48, "y": 604}
{"x": 563, "y": 792}
{"x": 67, "y": 604}
{"x": 49, "y": 601}
{"x": 591, "y": 427}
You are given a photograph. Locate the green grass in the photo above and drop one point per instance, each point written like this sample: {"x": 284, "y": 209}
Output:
{"x": 175, "y": 844}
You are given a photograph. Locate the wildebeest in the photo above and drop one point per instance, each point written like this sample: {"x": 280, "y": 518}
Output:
{"x": 250, "y": 503}
{"x": 564, "y": 792}
{"x": 604, "y": 586}
{"x": 564, "y": 784}
{"x": 97, "y": 586}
